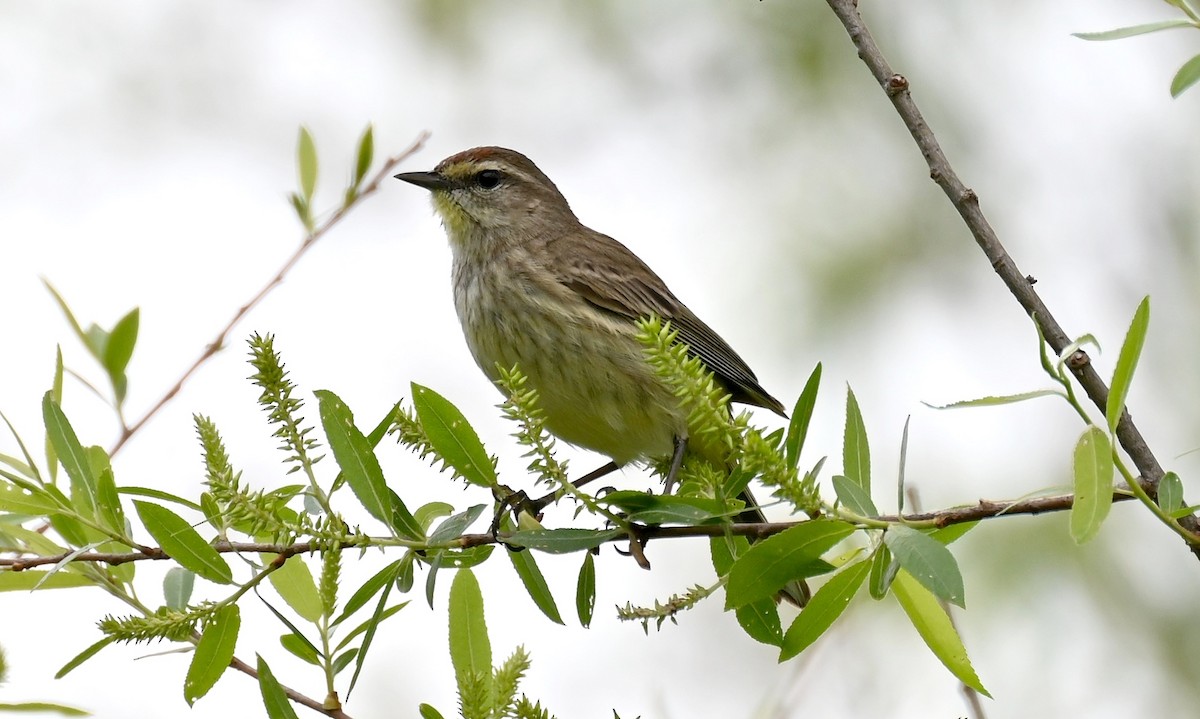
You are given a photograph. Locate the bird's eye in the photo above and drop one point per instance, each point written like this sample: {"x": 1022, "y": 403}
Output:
{"x": 488, "y": 179}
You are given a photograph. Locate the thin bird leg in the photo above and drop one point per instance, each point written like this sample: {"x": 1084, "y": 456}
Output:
{"x": 541, "y": 502}
{"x": 676, "y": 463}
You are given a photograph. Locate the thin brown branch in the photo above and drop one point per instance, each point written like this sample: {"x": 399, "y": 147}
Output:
{"x": 292, "y": 694}
{"x": 218, "y": 343}
{"x": 984, "y": 509}
{"x": 966, "y": 202}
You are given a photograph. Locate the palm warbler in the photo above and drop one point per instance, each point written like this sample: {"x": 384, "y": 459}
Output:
{"x": 536, "y": 288}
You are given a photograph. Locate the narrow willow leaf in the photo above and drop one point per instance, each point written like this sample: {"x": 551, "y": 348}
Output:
{"x": 44, "y": 707}
{"x": 934, "y": 626}
{"x": 995, "y": 400}
{"x": 1131, "y": 351}
{"x": 928, "y": 561}
{"x": 903, "y": 462}
{"x": 306, "y": 163}
{"x": 300, "y": 648}
{"x": 343, "y": 660}
{"x": 535, "y": 583}
{"x": 369, "y": 589}
{"x": 1186, "y": 76}
{"x": 182, "y": 543}
{"x": 452, "y": 437}
{"x": 119, "y": 350}
{"x": 72, "y": 455}
{"x": 453, "y": 527}
{"x": 823, "y": 609}
{"x": 354, "y": 456}
{"x": 1131, "y": 31}
{"x": 950, "y": 534}
{"x": 1170, "y": 492}
{"x": 585, "y": 590}
{"x": 274, "y": 698}
{"x": 371, "y": 627}
{"x": 56, "y": 393}
{"x": 759, "y": 619}
{"x": 427, "y": 514}
{"x": 294, "y": 582}
{"x": 883, "y": 571}
{"x": 403, "y": 521}
{"x": 108, "y": 501}
{"x": 856, "y": 455}
{"x": 787, "y": 556}
{"x": 1093, "y": 484}
{"x": 16, "y": 501}
{"x": 213, "y": 653}
{"x": 801, "y": 417}
{"x": 372, "y": 622}
{"x": 470, "y": 648}
{"x": 177, "y": 587}
{"x": 365, "y": 155}
{"x": 83, "y": 656}
{"x": 561, "y": 541}
{"x": 30, "y": 579}
{"x": 428, "y": 712}
{"x": 159, "y": 494}
{"x": 854, "y": 497}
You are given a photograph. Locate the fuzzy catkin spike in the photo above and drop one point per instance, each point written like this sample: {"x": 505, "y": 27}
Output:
{"x": 521, "y": 407}
{"x": 282, "y": 408}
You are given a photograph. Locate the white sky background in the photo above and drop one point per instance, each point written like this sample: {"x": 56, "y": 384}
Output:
{"x": 145, "y": 154}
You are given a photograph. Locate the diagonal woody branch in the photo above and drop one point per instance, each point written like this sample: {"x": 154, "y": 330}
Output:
{"x": 966, "y": 202}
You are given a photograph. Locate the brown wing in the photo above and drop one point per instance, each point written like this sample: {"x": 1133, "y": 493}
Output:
{"x": 610, "y": 277}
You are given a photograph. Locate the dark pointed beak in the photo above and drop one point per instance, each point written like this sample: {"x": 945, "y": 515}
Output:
{"x": 429, "y": 180}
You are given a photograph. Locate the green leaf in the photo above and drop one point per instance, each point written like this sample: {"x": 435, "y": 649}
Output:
{"x": 585, "y": 590}
{"x": 759, "y": 619}
{"x": 177, "y": 587}
{"x": 649, "y": 508}
{"x": 300, "y": 648}
{"x": 306, "y": 162}
{"x": 1170, "y": 492}
{"x": 465, "y": 558}
{"x": 159, "y": 494}
{"x": 1133, "y": 30}
{"x": 374, "y": 621}
{"x": 371, "y": 627}
{"x": 83, "y": 656}
{"x": 274, "y": 698}
{"x": 119, "y": 350}
{"x": 182, "y": 543}
{"x": 452, "y": 437}
{"x": 934, "y": 626}
{"x": 42, "y": 707}
{"x": 71, "y": 454}
{"x": 775, "y": 561}
{"x": 108, "y": 502}
{"x": 369, "y": 588}
{"x": 561, "y": 541}
{"x": 883, "y": 571}
{"x": 535, "y": 583}
{"x": 1127, "y": 362}
{"x": 403, "y": 521}
{"x": 343, "y": 660}
{"x": 854, "y": 497}
{"x": 928, "y": 561}
{"x": 428, "y": 712}
{"x": 823, "y": 609}
{"x": 294, "y": 582}
{"x": 366, "y": 153}
{"x": 903, "y": 463}
{"x": 993, "y": 400}
{"x": 801, "y": 417}
{"x": 17, "y": 501}
{"x": 30, "y": 579}
{"x": 453, "y": 527}
{"x": 1187, "y": 76}
{"x": 950, "y": 533}
{"x": 427, "y": 514}
{"x": 213, "y": 652}
{"x": 856, "y": 455}
{"x": 470, "y": 648}
{"x": 354, "y": 456}
{"x": 1093, "y": 484}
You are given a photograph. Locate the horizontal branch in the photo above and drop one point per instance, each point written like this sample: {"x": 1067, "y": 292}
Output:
{"x": 984, "y": 509}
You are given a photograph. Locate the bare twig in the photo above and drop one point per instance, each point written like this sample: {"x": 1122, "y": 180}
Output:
{"x": 966, "y": 202}
{"x": 218, "y": 343}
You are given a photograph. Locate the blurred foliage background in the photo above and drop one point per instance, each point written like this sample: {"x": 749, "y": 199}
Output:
{"x": 743, "y": 151}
